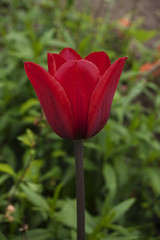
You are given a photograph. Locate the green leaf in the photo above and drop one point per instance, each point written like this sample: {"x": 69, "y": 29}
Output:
{"x": 123, "y": 238}
{"x": 47, "y": 37}
{"x": 129, "y": 74}
{"x": 3, "y": 178}
{"x": 121, "y": 169}
{"x": 35, "y": 198}
{"x": 29, "y": 104}
{"x": 56, "y": 195}
{"x": 36, "y": 234}
{"x": 93, "y": 146}
{"x": 67, "y": 216}
{"x": 102, "y": 222}
{"x": 153, "y": 179}
{"x": 39, "y": 234}
{"x": 2, "y": 237}
{"x": 120, "y": 209}
{"x": 73, "y": 234}
{"x": 120, "y": 229}
{"x": 143, "y": 35}
{"x": 28, "y": 138}
{"x": 59, "y": 43}
{"x": 54, "y": 173}
{"x": 7, "y": 169}
{"x": 89, "y": 165}
{"x": 135, "y": 91}
{"x": 68, "y": 38}
{"x": 33, "y": 172}
{"x": 110, "y": 179}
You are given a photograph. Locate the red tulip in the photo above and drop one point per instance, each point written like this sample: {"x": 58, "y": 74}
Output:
{"x": 76, "y": 94}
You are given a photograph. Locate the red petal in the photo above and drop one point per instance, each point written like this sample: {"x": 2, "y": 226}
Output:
{"x": 101, "y": 100}
{"x": 53, "y": 99}
{"x": 101, "y": 60}
{"x": 78, "y": 78}
{"x": 69, "y": 54}
{"x": 54, "y": 62}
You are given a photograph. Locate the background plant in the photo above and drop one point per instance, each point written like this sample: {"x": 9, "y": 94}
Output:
{"x": 37, "y": 175}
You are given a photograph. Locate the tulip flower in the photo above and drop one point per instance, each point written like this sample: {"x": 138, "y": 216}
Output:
{"x": 76, "y": 96}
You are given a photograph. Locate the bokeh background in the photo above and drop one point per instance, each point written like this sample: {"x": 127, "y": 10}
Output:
{"x": 122, "y": 163}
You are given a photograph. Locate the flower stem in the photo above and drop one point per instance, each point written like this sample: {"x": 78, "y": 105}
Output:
{"x": 78, "y": 151}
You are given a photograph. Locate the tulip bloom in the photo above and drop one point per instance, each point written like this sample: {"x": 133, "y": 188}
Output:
{"x": 76, "y": 94}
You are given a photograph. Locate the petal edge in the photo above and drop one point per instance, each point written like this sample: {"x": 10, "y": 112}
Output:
{"x": 69, "y": 54}
{"x": 100, "y": 59}
{"x": 53, "y": 99}
{"x": 101, "y": 100}
{"x": 54, "y": 62}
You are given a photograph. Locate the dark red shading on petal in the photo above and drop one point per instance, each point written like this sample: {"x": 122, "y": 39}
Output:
{"x": 79, "y": 79}
{"x": 54, "y": 62}
{"x": 101, "y": 100}
{"x": 69, "y": 54}
{"x": 101, "y": 60}
{"x": 53, "y": 99}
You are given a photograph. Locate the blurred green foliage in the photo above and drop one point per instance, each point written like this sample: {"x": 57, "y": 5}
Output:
{"x": 37, "y": 174}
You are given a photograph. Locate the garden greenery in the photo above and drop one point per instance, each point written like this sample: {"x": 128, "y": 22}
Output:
{"x": 37, "y": 172}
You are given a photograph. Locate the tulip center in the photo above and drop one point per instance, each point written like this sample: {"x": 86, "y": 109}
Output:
{"x": 78, "y": 78}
